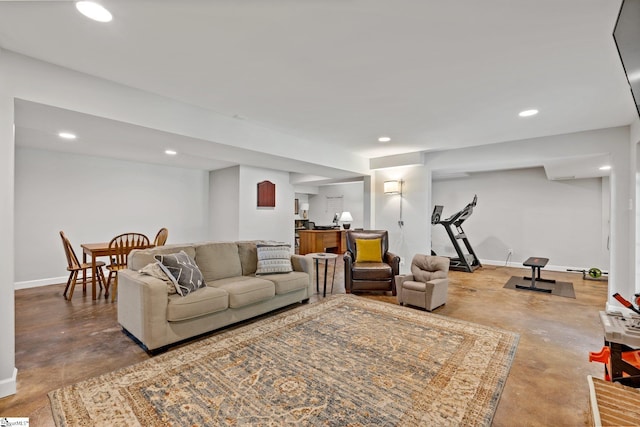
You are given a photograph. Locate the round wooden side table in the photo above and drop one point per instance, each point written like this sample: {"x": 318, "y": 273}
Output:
{"x": 317, "y": 256}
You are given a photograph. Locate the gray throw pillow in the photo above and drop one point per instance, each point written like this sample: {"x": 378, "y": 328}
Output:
{"x": 184, "y": 272}
{"x": 273, "y": 258}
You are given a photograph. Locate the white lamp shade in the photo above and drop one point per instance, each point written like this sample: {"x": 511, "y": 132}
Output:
{"x": 305, "y": 206}
{"x": 346, "y": 217}
{"x": 392, "y": 187}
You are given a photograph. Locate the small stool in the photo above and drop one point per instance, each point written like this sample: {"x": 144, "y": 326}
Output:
{"x": 536, "y": 263}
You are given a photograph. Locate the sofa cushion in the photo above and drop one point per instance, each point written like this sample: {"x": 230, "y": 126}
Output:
{"x": 198, "y": 303}
{"x": 289, "y": 282}
{"x": 273, "y": 258}
{"x": 184, "y": 272}
{"x": 218, "y": 260}
{"x": 370, "y": 271}
{"x": 246, "y": 291}
{"x": 411, "y": 285}
{"x": 138, "y": 258}
{"x": 248, "y": 253}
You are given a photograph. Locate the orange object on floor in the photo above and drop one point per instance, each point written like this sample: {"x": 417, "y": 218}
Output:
{"x": 603, "y": 356}
{"x": 632, "y": 357}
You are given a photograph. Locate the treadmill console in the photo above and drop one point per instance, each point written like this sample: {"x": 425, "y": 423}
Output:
{"x": 436, "y": 214}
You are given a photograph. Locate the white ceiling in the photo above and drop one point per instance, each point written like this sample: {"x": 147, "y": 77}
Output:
{"x": 429, "y": 74}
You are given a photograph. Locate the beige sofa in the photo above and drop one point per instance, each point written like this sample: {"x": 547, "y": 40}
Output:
{"x": 233, "y": 293}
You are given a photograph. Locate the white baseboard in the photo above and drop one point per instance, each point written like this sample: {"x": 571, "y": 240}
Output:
{"x": 40, "y": 282}
{"x": 8, "y": 385}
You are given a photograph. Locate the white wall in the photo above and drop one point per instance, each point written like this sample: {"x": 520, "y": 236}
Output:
{"x": 235, "y": 214}
{"x": 93, "y": 199}
{"x": 302, "y": 198}
{"x": 352, "y": 194}
{"x": 8, "y": 371}
{"x": 224, "y": 204}
{"x": 524, "y": 211}
{"x": 614, "y": 142}
{"x": 414, "y": 237}
{"x": 275, "y": 223}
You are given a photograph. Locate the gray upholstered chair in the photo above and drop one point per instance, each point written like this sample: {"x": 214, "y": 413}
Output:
{"x": 427, "y": 284}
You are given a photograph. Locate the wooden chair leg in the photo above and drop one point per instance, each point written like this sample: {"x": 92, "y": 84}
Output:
{"x": 74, "y": 275}
{"x": 64, "y": 294}
{"x": 108, "y": 284}
{"x": 101, "y": 279}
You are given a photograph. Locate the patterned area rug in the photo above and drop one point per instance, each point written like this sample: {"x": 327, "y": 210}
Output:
{"x": 344, "y": 361}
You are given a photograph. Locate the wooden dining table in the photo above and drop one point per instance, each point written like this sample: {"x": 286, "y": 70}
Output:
{"x": 98, "y": 250}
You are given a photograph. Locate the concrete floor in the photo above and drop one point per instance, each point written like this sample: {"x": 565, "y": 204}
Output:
{"x": 59, "y": 343}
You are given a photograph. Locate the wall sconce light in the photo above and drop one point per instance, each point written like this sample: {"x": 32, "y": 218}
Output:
{"x": 305, "y": 210}
{"x": 346, "y": 219}
{"x": 395, "y": 187}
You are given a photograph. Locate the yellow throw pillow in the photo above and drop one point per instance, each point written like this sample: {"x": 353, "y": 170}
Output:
{"x": 368, "y": 250}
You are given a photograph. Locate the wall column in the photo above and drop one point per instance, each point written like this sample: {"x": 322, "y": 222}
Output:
{"x": 8, "y": 371}
{"x": 622, "y": 252}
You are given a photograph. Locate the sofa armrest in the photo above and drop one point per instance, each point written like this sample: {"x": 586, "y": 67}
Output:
{"x": 142, "y": 305}
{"x": 394, "y": 261}
{"x": 348, "y": 264}
{"x": 436, "y": 294}
{"x": 399, "y": 280}
{"x": 439, "y": 282}
{"x": 304, "y": 264}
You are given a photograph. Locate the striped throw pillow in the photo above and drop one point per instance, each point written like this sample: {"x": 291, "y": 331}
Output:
{"x": 274, "y": 258}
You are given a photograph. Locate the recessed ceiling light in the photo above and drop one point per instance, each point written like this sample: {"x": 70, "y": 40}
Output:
{"x": 384, "y": 139}
{"x": 170, "y": 152}
{"x": 528, "y": 113}
{"x": 66, "y": 135}
{"x": 605, "y": 167}
{"x": 93, "y": 10}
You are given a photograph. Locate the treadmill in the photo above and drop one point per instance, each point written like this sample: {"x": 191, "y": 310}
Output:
{"x": 464, "y": 261}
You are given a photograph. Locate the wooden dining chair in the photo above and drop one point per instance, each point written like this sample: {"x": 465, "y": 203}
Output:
{"x": 120, "y": 247}
{"x": 74, "y": 267}
{"x": 161, "y": 237}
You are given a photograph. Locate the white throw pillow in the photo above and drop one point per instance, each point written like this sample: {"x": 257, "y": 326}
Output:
{"x": 274, "y": 258}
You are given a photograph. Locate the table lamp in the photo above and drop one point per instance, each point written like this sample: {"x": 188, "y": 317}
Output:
{"x": 346, "y": 219}
{"x": 305, "y": 210}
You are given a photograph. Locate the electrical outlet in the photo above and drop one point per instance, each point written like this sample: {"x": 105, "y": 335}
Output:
{"x": 401, "y": 261}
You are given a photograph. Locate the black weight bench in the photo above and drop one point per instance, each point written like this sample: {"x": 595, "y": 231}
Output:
{"x": 536, "y": 264}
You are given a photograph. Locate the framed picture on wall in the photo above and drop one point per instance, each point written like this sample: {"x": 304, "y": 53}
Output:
{"x": 266, "y": 194}
{"x": 296, "y": 207}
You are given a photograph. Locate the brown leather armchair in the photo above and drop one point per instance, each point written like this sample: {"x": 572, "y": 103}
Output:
{"x": 370, "y": 276}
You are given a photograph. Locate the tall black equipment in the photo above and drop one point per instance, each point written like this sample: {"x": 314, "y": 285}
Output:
{"x": 463, "y": 262}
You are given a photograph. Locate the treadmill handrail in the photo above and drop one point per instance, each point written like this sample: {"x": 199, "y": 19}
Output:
{"x": 459, "y": 217}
